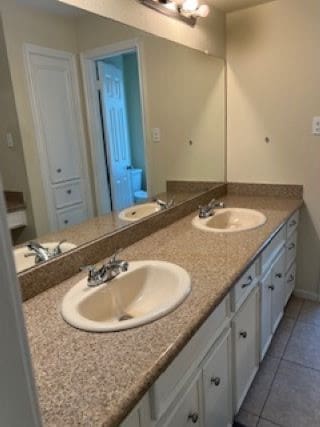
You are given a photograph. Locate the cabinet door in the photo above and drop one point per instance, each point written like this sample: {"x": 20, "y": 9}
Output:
{"x": 245, "y": 347}
{"x": 187, "y": 411}
{"x": 217, "y": 393}
{"x": 265, "y": 314}
{"x": 132, "y": 420}
{"x": 278, "y": 290}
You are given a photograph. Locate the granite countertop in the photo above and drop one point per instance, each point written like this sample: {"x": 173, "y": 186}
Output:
{"x": 97, "y": 378}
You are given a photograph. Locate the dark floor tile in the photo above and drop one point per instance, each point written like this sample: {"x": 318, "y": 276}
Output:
{"x": 310, "y": 313}
{"x": 247, "y": 419}
{"x": 281, "y": 337}
{"x": 294, "y": 397}
{"x": 266, "y": 423}
{"x": 261, "y": 385}
{"x": 304, "y": 345}
{"x": 293, "y": 307}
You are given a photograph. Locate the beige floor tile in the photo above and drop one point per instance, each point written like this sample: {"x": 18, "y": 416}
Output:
{"x": 310, "y": 313}
{"x": 247, "y": 419}
{"x": 294, "y": 397}
{"x": 266, "y": 423}
{"x": 304, "y": 346}
{"x": 293, "y": 307}
{"x": 281, "y": 337}
{"x": 261, "y": 385}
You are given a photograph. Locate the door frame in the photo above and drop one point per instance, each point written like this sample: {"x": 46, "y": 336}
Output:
{"x": 20, "y": 397}
{"x": 88, "y": 60}
{"x": 28, "y": 50}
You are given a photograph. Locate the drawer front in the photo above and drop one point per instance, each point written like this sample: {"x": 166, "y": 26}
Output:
{"x": 216, "y": 378}
{"x": 244, "y": 286}
{"x": 245, "y": 347}
{"x": 271, "y": 251}
{"x": 290, "y": 282}
{"x": 187, "y": 410}
{"x": 168, "y": 385}
{"x": 71, "y": 216}
{"x": 293, "y": 223}
{"x": 17, "y": 219}
{"x": 67, "y": 195}
{"x": 291, "y": 250}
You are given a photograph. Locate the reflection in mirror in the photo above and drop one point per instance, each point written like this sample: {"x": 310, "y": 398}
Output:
{"x": 103, "y": 125}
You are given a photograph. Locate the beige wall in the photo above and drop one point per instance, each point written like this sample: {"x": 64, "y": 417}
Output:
{"x": 273, "y": 60}
{"x": 12, "y": 165}
{"x": 207, "y": 35}
{"x": 184, "y": 102}
{"x": 29, "y": 25}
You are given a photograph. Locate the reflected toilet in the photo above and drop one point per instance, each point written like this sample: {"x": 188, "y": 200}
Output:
{"x": 139, "y": 195}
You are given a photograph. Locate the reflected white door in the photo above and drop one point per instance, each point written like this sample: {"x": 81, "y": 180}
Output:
{"x": 116, "y": 132}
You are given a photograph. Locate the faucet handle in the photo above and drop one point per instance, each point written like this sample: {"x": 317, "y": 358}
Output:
{"x": 57, "y": 250}
{"x": 90, "y": 269}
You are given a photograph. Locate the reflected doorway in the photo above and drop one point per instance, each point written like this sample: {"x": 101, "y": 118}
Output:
{"x": 118, "y": 118}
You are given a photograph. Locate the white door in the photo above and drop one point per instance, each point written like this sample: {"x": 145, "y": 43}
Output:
{"x": 116, "y": 132}
{"x": 55, "y": 100}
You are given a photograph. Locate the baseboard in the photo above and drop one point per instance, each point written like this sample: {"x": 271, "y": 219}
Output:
{"x": 312, "y": 296}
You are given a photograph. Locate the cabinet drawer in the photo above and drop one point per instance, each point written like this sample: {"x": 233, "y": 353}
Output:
{"x": 67, "y": 194}
{"x": 292, "y": 223}
{"x": 290, "y": 282}
{"x": 168, "y": 385}
{"x": 244, "y": 286}
{"x": 271, "y": 251}
{"x": 291, "y": 249}
{"x": 71, "y": 216}
{"x": 216, "y": 380}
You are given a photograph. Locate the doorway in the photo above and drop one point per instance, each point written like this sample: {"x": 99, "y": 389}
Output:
{"x": 116, "y": 127}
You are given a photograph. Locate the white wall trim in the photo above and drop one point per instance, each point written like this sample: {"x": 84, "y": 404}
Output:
{"x": 28, "y": 50}
{"x": 87, "y": 60}
{"x": 18, "y": 398}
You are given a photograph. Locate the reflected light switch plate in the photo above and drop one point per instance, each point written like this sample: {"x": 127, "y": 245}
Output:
{"x": 155, "y": 134}
{"x": 9, "y": 140}
{"x": 316, "y": 126}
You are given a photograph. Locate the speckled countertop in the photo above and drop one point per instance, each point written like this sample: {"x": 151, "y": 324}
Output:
{"x": 92, "y": 379}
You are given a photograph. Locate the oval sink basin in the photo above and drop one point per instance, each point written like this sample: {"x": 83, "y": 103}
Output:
{"x": 23, "y": 263}
{"x": 146, "y": 292}
{"x": 231, "y": 220}
{"x": 136, "y": 212}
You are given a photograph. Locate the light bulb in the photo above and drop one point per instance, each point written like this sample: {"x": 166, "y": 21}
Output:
{"x": 203, "y": 11}
{"x": 190, "y": 5}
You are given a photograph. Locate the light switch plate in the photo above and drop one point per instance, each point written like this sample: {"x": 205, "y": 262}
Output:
{"x": 9, "y": 140}
{"x": 155, "y": 134}
{"x": 316, "y": 126}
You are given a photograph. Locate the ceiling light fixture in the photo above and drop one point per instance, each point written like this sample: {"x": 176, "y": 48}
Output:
{"x": 185, "y": 10}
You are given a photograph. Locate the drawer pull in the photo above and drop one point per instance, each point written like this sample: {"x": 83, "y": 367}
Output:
{"x": 292, "y": 246}
{"x": 59, "y": 170}
{"x": 215, "y": 381}
{"x": 69, "y": 191}
{"x": 279, "y": 275}
{"x": 248, "y": 283}
{"x": 271, "y": 287}
{"x": 291, "y": 278}
{"x": 243, "y": 334}
{"x": 194, "y": 417}
{"x": 66, "y": 221}
{"x": 293, "y": 223}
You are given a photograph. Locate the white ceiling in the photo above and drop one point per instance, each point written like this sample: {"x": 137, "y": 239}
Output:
{"x": 231, "y": 5}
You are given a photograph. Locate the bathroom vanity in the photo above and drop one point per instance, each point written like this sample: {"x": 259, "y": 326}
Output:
{"x": 192, "y": 366}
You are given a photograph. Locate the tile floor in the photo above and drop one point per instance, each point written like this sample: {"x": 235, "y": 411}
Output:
{"x": 286, "y": 390}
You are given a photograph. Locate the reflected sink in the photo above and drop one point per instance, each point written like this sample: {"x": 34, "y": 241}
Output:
{"x": 231, "y": 220}
{"x": 136, "y": 212}
{"x": 146, "y": 292}
{"x": 23, "y": 263}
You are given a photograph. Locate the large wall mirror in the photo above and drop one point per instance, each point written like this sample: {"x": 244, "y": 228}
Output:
{"x": 101, "y": 125}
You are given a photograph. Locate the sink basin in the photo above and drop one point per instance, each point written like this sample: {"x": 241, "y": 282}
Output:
{"x": 146, "y": 292}
{"x": 136, "y": 212}
{"x": 231, "y": 220}
{"x": 23, "y": 263}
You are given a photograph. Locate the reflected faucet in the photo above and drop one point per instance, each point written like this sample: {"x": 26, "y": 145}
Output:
{"x": 107, "y": 272}
{"x": 208, "y": 210}
{"x": 165, "y": 205}
{"x": 41, "y": 253}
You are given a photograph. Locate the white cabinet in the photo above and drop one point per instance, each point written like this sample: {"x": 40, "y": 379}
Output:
{"x": 217, "y": 384}
{"x": 290, "y": 282}
{"x": 277, "y": 290}
{"x": 245, "y": 347}
{"x": 265, "y": 313}
{"x": 132, "y": 420}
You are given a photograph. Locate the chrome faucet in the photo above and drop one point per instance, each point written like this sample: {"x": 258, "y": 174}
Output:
{"x": 165, "y": 205}
{"x": 41, "y": 253}
{"x": 107, "y": 272}
{"x": 208, "y": 210}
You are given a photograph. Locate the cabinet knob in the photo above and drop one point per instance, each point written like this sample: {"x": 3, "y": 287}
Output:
{"x": 279, "y": 275}
{"x": 216, "y": 381}
{"x": 248, "y": 283}
{"x": 291, "y": 278}
{"x": 59, "y": 170}
{"x": 66, "y": 221}
{"x": 194, "y": 417}
{"x": 243, "y": 334}
{"x": 271, "y": 287}
{"x": 69, "y": 191}
{"x": 293, "y": 223}
{"x": 290, "y": 247}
